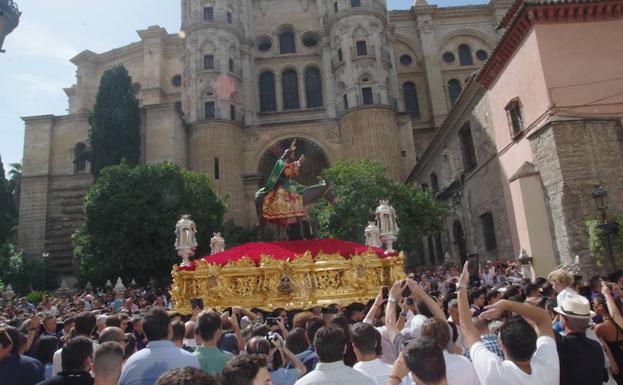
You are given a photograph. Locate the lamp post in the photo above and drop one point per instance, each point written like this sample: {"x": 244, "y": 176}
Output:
{"x": 600, "y": 196}
{"x": 45, "y": 256}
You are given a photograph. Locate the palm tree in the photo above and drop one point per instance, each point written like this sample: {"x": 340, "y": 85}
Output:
{"x": 15, "y": 179}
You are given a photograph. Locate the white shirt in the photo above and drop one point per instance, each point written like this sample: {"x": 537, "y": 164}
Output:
{"x": 334, "y": 373}
{"x": 459, "y": 371}
{"x": 57, "y": 360}
{"x": 492, "y": 370}
{"x": 378, "y": 371}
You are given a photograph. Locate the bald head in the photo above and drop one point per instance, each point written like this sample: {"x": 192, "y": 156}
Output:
{"x": 112, "y": 334}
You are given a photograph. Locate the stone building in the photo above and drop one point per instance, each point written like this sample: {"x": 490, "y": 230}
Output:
{"x": 549, "y": 129}
{"x": 347, "y": 78}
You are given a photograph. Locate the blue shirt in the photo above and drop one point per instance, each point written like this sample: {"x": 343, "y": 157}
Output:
{"x": 20, "y": 370}
{"x": 309, "y": 359}
{"x": 145, "y": 366}
{"x": 284, "y": 376}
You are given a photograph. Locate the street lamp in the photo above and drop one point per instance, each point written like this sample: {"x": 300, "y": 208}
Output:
{"x": 45, "y": 256}
{"x": 600, "y": 196}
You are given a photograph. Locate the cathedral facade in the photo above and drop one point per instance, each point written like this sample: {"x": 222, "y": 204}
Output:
{"x": 347, "y": 78}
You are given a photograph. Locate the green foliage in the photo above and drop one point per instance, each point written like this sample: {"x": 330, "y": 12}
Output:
{"x": 235, "y": 235}
{"x": 24, "y": 274}
{"x": 35, "y": 297}
{"x": 359, "y": 187}
{"x": 115, "y": 122}
{"x": 597, "y": 243}
{"x": 130, "y": 216}
{"x": 15, "y": 181}
{"x": 8, "y": 211}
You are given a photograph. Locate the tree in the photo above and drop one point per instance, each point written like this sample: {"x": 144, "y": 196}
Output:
{"x": 115, "y": 122}
{"x": 359, "y": 187}
{"x": 15, "y": 182}
{"x": 8, "y": 211}
{"x": 129, "y": 221}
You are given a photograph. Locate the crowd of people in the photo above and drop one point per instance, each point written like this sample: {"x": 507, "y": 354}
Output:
{"x": 437, "y": 326}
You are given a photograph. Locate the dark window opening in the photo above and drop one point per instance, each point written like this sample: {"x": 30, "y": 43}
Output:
{"x": 465, "y": 55}
{"x": 513, "y": 112}
{"x": 232, "y": 112}
{"x": 434, "y": 182}
{"x": 290, "y": 90}
{"x": 431, "y": 249}
{"x": 345, "y": 99}
{"x": 229, "y": 18}
{"x": 231, "y": 65}
{"x": 208, "y": 62}
{"x": 286, "y": 42}
{"x": 467, "y": 147}
{"x": 362, "y": 49}
{"x": 454, "y": 90}
{"x": 80, "y": 157}
{"x": 406, "y": 60}
{"x": 210, "y": 110}
{"x": 482, "y": 55}
{"x": 448, "y": 57}
{"x": 217, "y": 171}
{"x": 340, "y": 55}
{"x": 410, "y": 99}
{"x": 208, "y": 13}
{"x": 438, "y": 248}
{"x": 267, "y": 92}
{"x": 355, "y": 3}
{"x": 335, "y": 7}
{"x": 488, "y": 231}
{"x": 424, "y": 187}
{"x": 366, "y": 93}
{"x": 313, "y": 87}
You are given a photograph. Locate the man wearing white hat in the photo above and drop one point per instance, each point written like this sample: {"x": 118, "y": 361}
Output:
{"x": 581, "y": 359}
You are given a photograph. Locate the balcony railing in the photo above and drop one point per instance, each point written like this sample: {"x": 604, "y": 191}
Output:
{"x": 373, "y": 5}
{"x": 371, "y": 100}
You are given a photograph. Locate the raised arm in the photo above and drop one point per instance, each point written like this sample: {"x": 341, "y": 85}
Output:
{"x": 418, "y": 292}
{"x": 470, "y": 333}
{"x": 538, "y": 316}
{"x": 613, "y": 309}
{"x": 390, "y": 310}
{"x": 378, "y": 302}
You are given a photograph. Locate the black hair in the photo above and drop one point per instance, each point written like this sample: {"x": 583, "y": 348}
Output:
{"x": 178, "y": 331}
{"x": 615, "y": 276}
{"x": 156, "y": 325}
{"x": 423, "y": 309}
{"x": 74, "y": 352}
{"x": 85, "y": 323}
{"x": 491, "y": 294}
{"x": 130, "y": 345}
{"x": 474, "y": 294}
{"x": 242, "y": 369}
{"x": 312, "y": 326}
{"x": 208, "y": 323}
{"x": 187, "y": 376}
{"x": 330, "y": 343}
{"x": 366, "y": 339}
{"x": 45, "y": 347}
{"x": 424, "y": 358}
{"x": 530, "y": 288}
{"x": 16, "y": 338}
{"x": 519, "y": 339}
{"x": 296, "y": 342}
{"x": 113, "y": 320}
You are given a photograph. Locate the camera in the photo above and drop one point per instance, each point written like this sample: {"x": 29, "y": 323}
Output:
{"x": 272, "y": 337}
{"x": 272, "y": 321}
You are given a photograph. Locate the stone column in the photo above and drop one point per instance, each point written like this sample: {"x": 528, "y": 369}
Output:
{"x": 435, "y": 81}
{"x": 154, "y": 41}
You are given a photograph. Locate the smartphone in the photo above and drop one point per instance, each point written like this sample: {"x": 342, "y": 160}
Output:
{"x": 197, "y": 303}
{"x": 473, "y": 265}
{"x": 385, "y": 292}
{"x": 329, "y": 310}
{"x": 409, "y": 301}
{"x": 271, "y": 321}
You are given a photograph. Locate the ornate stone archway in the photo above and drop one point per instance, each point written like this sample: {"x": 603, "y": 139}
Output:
{"x": 316, "y": 159}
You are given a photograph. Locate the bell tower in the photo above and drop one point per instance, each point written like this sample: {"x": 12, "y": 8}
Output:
{"x": 215, "y": 78}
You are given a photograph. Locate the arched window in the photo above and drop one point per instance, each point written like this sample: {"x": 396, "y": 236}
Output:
{"x": 80, "y": 157}
{"x": 465, "y": 55}
{"x": 268, "y": 101}
{"x": 286, "y": 42}
{"x": 454, "y": 90}
{"x": 410, "y": 98}
{"x": 290, "y": 90}
{"x": 313, "y": 87}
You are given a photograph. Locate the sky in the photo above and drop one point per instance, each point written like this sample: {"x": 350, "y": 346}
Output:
{"x": 35, "y": 68}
